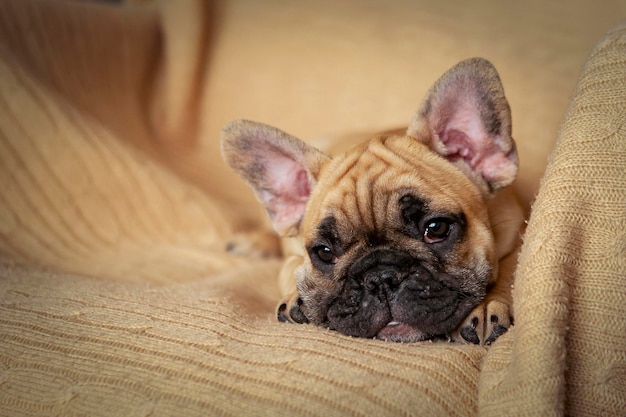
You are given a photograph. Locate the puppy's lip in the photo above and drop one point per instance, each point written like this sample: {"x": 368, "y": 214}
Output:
{"x": 396, "y": 331}
{"x": 392, "y": 328}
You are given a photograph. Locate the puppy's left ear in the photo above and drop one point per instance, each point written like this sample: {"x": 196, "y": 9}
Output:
{"x": 466, "y": 118}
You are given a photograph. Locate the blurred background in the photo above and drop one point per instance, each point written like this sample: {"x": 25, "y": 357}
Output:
{"x": 329, "y": 67}
{"x": 98, "y": 97}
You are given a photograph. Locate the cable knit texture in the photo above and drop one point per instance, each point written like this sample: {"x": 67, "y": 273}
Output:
{"x": 567, "y": 354}
{"x": 117, "y": 297}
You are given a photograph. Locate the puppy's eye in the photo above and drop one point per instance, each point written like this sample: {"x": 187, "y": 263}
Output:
{"x": 325, "y": 254}
{"x": 437, "y": 230}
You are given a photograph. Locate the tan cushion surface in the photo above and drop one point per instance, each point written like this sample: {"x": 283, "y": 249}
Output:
{"x": 185, "y": 350}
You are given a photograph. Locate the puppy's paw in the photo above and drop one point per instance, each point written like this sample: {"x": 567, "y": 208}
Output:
{"x": 255, "y": 244}
{"x": 485, "y": 323}
{"x": 498, "y": 319}
{"x": 290, "y": 312}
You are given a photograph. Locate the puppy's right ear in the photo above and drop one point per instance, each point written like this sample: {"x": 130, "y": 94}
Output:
{"x": 281, "y": 169}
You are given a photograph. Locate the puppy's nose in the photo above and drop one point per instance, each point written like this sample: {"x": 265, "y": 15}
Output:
{"x": 389, "y": 277}
{"x": 381, "y": 259}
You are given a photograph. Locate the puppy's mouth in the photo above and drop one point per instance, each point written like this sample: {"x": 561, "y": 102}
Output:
{"x": 392, "y": 296}
{"x": 396, "y": 331}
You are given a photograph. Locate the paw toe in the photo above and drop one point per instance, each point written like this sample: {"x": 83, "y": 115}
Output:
{"x": 280, "y": 313}
{"x": 499, "y": 321}
{"x": 497, "y": 331}
{"x": 290, "y": 312}
{"x": 469, "y": 334}
{"x": 485, "y": 324}
{"x": 296, "y": 313}
{"x": 470, "y": 330}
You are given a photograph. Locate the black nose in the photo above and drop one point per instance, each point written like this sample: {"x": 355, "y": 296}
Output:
{"x": 381, "y": 267}
{"x": 386, "y": 276}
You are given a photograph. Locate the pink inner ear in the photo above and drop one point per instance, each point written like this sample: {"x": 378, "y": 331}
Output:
{"x": 289, "y": 178}
{"x": 463, "y": 138}
{"x": 457, "y": 146}
{"x": 289, "y": 191}
{"x": 482, "y": 156}
{"x": 461, "y": 131}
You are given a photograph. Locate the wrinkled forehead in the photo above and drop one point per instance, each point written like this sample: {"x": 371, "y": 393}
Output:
{"x": 367, "y": 183}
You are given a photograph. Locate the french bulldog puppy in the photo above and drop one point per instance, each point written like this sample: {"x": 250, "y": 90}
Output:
{"x": 409, "y": 236}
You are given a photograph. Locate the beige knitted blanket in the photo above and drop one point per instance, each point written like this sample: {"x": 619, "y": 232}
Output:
{"x": 116, "y": 295}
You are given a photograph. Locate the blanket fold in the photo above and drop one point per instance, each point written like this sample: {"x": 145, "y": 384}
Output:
{"x": 567, "y": 354}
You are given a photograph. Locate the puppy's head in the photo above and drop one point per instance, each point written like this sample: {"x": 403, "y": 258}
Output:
{"x": 396, "y": 230}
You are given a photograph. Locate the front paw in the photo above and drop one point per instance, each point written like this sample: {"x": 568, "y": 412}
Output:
{"x": 485, "y": 323}
{"x": 290, "y": 312}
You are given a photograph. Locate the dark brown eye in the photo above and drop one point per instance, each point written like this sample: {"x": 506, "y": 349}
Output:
{"x": 436, "y": 231}
{"x": 325, "y": 254}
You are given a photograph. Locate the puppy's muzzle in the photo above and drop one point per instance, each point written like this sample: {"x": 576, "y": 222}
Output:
{"x": 389, "y": 287}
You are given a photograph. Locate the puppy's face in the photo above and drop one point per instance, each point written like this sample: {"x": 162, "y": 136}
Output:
{"x": 398, "y": 241}
{"x": 396, "y": 231}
